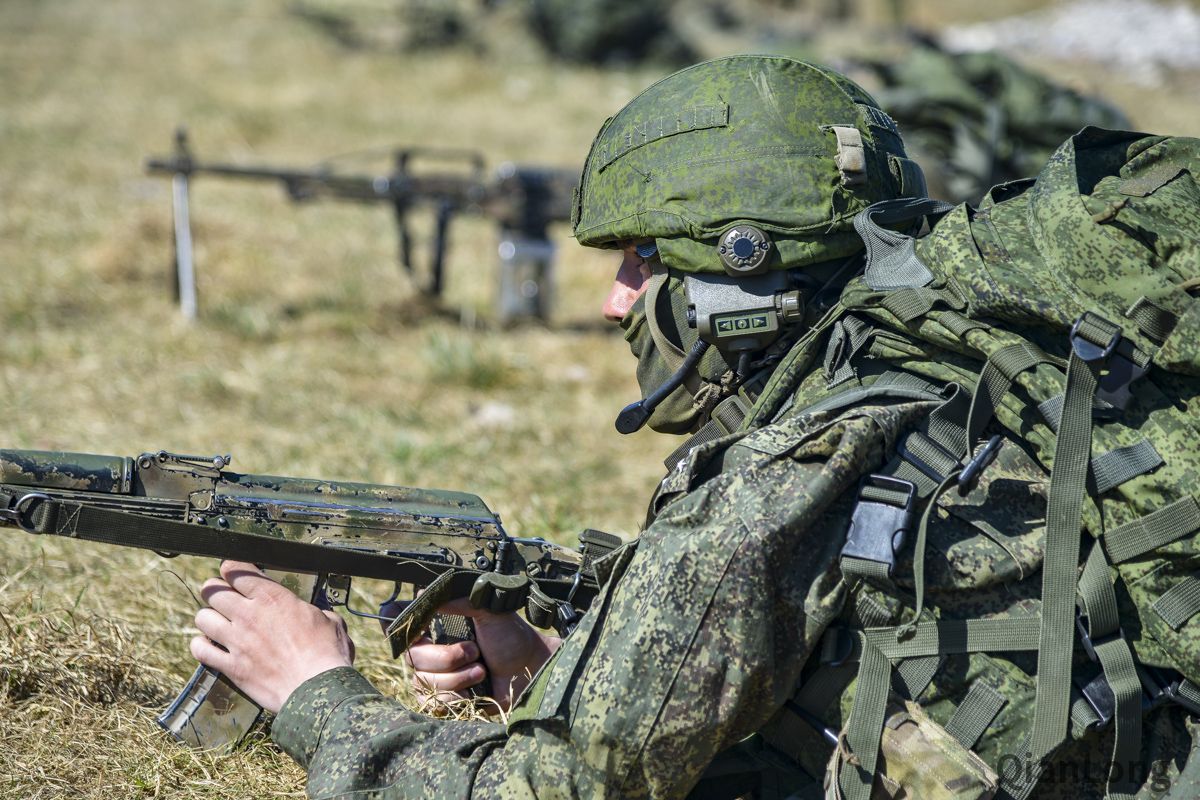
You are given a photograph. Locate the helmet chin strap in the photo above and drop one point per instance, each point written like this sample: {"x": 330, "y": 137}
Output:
{"x": 635, "y": 415}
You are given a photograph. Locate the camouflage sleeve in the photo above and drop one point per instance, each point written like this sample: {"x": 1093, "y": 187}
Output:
{"x": 695, "y": 643}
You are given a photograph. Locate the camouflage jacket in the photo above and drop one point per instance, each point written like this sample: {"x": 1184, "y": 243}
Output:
{"x": 683, "y": 677}
{"x": 697, "y": 640}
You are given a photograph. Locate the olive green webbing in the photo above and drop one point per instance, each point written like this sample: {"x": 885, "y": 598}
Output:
{"x": 975, "y": 713}
{"x": 880, "y": 647}
{"x": 1116, "y": 660}
{"x": 1163, "y": 526}
{"x": 1068, "y": 478}
{"x": 1179, "y": 603}
{"x": 919, "y": 551}
{"x": 999, "y": 372}
{"x": 917, "y": 673}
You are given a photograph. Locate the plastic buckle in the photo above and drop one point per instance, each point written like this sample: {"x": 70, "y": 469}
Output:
{"x": 968, "y": 479}
{"x": 878, "y": 528}
{"x": 1099, "y": 695}
{"x": 1085, "y": 348}
{"x": 837, "y": 646}
{"x": 1172, "y": 693}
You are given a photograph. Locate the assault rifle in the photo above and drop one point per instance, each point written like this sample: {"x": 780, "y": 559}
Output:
{"x": 523, "y": 200}
{"x": 316, "y": 535}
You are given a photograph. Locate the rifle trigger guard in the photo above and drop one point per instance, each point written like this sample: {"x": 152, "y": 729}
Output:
{"x": 19, "y": 513}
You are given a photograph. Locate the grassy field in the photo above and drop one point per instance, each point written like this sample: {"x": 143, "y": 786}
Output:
{"x": 312, "y": 355}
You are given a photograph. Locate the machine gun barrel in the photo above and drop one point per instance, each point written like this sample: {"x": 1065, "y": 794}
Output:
{"x": 523, "y": 200}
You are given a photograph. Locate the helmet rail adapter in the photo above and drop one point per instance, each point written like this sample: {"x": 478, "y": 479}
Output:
{"x": 791, "y": 148}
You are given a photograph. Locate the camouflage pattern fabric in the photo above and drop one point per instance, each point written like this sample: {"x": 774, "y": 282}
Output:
{"x": 796, "y": 146}
{"x": 696, "y": 642}
{"x": 974, "y": 120}
{"x": 713, "y": 660}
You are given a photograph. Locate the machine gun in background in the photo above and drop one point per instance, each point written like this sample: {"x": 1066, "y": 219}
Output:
{"x": 523, "y": 200}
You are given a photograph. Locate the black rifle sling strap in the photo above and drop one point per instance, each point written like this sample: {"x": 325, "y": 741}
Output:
{"x": 81, "y": 521}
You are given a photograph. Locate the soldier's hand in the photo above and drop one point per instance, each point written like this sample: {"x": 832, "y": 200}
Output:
{"x": 264, "y": 638}
{"x": 506, "y": 648}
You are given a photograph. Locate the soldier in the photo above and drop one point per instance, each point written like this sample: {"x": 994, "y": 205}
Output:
{"x": 745, "y": 643}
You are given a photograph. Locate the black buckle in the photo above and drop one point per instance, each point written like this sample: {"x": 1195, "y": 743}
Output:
{"x": 1172, "y": 693}
{"x": 1099, "y": 695}
{"x": 1163, "y": 686}
{"x": 1120, "y": 370}
{"x": 877, "y": 528}
{"x": 837, "y": 646}
{"x": 1085, "y": 348}
{"x": 968, "y": 479}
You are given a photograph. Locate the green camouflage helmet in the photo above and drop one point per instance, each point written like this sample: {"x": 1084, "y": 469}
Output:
{"x": 792, "y": 148}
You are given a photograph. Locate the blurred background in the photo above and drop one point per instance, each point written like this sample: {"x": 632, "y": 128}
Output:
{"x": 313, "y": 354}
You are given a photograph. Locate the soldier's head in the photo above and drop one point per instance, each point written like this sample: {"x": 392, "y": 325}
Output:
{"x": 731, "y": 188}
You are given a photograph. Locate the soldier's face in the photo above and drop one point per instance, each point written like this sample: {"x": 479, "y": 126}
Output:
{"x": 633, "y": 276}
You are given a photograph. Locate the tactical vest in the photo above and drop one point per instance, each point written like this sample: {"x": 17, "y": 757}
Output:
{"x": 1025, "y": 571}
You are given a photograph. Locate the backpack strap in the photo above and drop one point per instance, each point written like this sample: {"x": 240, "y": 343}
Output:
{"x": 892, "y": 261}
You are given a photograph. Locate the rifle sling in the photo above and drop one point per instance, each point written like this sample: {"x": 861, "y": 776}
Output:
{"x": 82, "y": 521}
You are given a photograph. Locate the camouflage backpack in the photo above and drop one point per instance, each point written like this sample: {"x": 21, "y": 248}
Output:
{"x": 1061, "y": 316}
{"x": 977, "y": 119}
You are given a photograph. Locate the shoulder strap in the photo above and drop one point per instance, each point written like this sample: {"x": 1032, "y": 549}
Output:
{"x": 892, "y": 261}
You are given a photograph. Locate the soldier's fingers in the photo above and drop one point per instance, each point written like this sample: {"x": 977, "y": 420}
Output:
{"x": 213, "y": 624}
{"x": 207, "y": 653}
{"x": 419, "y": 642}
{"x": 249, "y": 580}
{"x": 221, "y": 596}
{"x": 442, "y": 658}
{"x": 457, "y": 681}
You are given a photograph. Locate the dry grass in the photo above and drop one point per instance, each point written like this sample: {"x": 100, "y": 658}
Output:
{"x": 312, "y": 356}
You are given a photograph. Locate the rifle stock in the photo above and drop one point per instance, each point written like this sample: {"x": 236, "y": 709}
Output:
{"x": 317, "y": 535}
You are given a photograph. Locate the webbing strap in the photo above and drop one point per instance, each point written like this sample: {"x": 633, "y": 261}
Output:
{"x": 892, "y": 261}
{"x": 845, "y": 340}
{"x": 996, "y": 379}
{"x": 877, "y": 573}
{"x": 1180, "y": 518}
{"x": 1051, "y": 409}
{"x": 726, "y": 418}
{"x": 1189, "y": 692}
{"x": 1083, "y": 716}
{"x": 1116, "y": 659}
{"x": 960, "y": 325}
{"x": 865, "y": 728}
{"x": 917, "y": 673}
{"x": 1153, "y": 320}
{"x": 879, "y": 647}
{"x": 1180, "y": 603}
{"x": 975, "y": 713}
{"x": 823, "y": 688}
{"x": 908, "y": 304}
{"x": 1114, "y": 467}
{"x": 1068, "y": 479}
{"x": 919, "y": 550}
{"x": 946, "y": 637}
{"x": 926, "y": 456}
